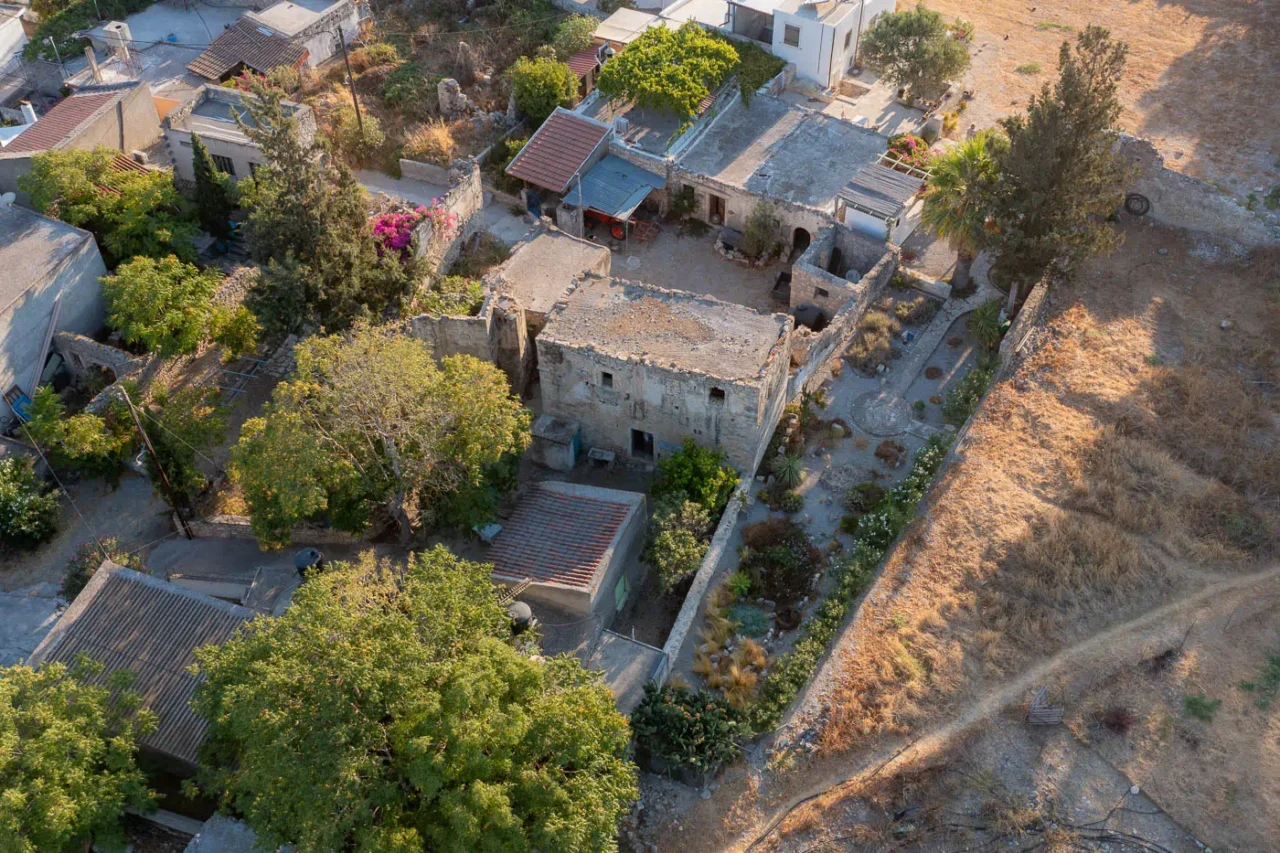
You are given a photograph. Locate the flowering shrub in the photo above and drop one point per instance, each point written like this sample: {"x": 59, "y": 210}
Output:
{"x": 394, "y": 231}
{"x": 910, "y": 149}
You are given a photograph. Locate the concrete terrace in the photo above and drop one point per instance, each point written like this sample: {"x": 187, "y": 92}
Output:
{"x": 680, "y": 331}
{"x": 776, "y": 149}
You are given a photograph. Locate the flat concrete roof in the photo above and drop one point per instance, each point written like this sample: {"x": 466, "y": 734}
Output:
{"x": 781, "y": 151}
{"x": 542, "y": 268}
{"x": 32, "y": 248}
{"x": 627, "y": 666}
{"x": 668, "y": 328}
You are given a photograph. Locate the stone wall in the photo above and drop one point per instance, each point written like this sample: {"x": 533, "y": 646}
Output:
{"x": 1180, "y": 201}
{"x": 428, "y": 173}
{"x": 460, "y": 335}
{"x": 466, "y": 199}
{"x": 82, "y": 352}
{"x": 237, "y": 527}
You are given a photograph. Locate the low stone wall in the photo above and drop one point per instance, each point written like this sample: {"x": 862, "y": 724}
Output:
{"x": 237, "y": 527}
{"x": 1027, "y": 321}
{"x": 82, "y": 352}
{"x": 702, "y": 580}
{"x": 1180, "y": 201}
{"x": 458, "y": 335}
{"x": 428, "y": 173}
{"x": 466, "y": 200}
{"x": 926, "y": 284}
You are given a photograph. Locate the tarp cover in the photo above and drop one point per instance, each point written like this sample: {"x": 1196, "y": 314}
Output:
{"x": 613, "y": 187}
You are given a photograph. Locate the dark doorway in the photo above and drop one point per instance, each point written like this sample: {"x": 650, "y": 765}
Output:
{"x": 800, "y": 240}
{"x": 716, "y": 210}
{"x": 642, "y": 444}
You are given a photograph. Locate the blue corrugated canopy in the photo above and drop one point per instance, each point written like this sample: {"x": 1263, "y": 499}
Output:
{"x": 613, "y": 187}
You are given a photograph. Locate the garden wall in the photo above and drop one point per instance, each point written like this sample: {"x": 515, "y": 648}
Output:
{"x": 702, "y": 580}
{"x": 465, "y": 199}
{"x": 427, "y": 173}
{"x": 1181, "y": 201}
{"x": 237, "y": 527}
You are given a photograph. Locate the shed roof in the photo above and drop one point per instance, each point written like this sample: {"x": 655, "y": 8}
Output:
{"x": 244, "y": 42}
{"x": 625, "y": 24}
{"x": 32, "y": 247}
{"x": 582, "y": 62}
{"x": 557, "y": 150}
{"x": 563, "y": 534}
{"x": 881, "y": 191}
{"x": 60, "y": 124}
{"x": 614, "y": 187}
{"x": 668, "y": 328}
{"x": 131, "y": 621}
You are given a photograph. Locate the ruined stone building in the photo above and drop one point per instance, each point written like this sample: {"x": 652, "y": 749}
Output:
{"x": 641, "y": 368}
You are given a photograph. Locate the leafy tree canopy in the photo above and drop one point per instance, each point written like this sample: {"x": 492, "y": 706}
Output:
{"x": 669, "y": 70}
{"x": 165, "y": 304}
{"x": 540, "y": 85}
{"x": 131, "y": 213}
{"x": 28, "y": 511}
{"x": 575, "y": 33}
{"x": 387, "y": 710}
{"x": 697, "y": 474}
{"x": 307, "y": 224}
{"x": 181, "y": 424}
{"x": 67, "y": 749}
{"x": 95, "y": 445}
{"x": 914, "y": 49}
{"x": 1061, "y": 176}
{"x": 371, "y": 422}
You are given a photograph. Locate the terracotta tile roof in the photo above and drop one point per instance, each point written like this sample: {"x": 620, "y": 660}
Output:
{"x": 583, "y": 61}
{"x": 557, "y": 150}
{"x": 245, "y": 43}
{"x": 560, "y": 537}
{"x": 131, "y": 621}
{"x": 62, "y": 121}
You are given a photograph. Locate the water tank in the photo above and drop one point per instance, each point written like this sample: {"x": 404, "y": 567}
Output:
{"x": 621, "y": 125}
{"x": 308, "y": 561}
{"x": 521, "y": 616}
{"x": 117, "y": 35}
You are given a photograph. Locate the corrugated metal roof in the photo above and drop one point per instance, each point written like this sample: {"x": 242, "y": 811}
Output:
{"x": 582, "y": 62}
{"x": 66, "y": 117}
{"x": 881, "y": 191}
{"x": 131, "y": 621}
{"x": 560, "y": 537}
{"x": 257, "y": 47}
{"x": 557, "y": 150}
{"x": 614, "y": 187}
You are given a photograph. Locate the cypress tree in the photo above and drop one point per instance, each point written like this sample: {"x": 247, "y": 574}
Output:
{"x": 213, "y": 195}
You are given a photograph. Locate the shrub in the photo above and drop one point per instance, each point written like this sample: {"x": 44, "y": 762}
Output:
{"x": 87, "y": 560}
{"x": 788, "y": 471}
{"x": 863, "y": 497}
{"x": 919, "y": 310}
{"x": 779, "y": 558}
{"x": 962, "y": 29}
{"x": 95, "y": 445}
{"x": 873, "y": 344}
{"x": 165, "y": 304}
{"x": 756, "y": 66}
{"x": 687, "y": 731}
{"x": 962, "y": 401}
{"x": 1201, "y": 706}
{"x": 697, "y": 474}
{"x": 540, "y": 85}
{"x": 409, "y": 90}
{"x": 431, "y": 143}
{"x": 749, "y": 619}
{"x": 236, "y": 331}
{"x": 500, "y": 158}
{"x": 910, "y": 149}
{"x": 678, "y": 541}
{"x": 760, "y": 235}
{"x": 28, "y": 514}
{"x": 739, "y": 584}
{"x": 849, "y": 577}
{"x": 1267, "y": 685}
{"x": 1028, "y": 68}
{"x": 453, "y": 295}
{"x": 373, "y": 55}
{"x": 984, "y": 323}
{"x": 358, "y": 145}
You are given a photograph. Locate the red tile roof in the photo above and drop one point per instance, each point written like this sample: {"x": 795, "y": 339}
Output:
{"x": 62, "y": 121}
{"x": 555, "y": 153}
{"x": 246, "y": 43}
{"x": 582, "y": 62}
{"x": 558, "y": 537}
{"x": 131, "y": 621}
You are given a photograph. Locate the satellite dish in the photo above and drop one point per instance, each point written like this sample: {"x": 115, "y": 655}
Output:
{"x": 7, "y": 199}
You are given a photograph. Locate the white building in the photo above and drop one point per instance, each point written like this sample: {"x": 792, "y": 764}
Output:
{"x": 12, "y": 36}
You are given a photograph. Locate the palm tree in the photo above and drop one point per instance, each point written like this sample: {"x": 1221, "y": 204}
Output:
{"x": 955, "y": 202}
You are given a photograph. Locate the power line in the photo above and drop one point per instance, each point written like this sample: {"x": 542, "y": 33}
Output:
{"x": 184, "y": 442}
{"x": 96, "y": 539}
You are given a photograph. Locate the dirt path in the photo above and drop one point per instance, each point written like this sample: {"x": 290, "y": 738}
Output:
{"x": 1135, "y": 637}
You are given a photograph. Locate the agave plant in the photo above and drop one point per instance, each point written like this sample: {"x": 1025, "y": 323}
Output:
{"x": 788, "y": 471}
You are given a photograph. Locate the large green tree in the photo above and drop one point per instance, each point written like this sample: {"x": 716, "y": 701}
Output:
{"x": 387, "y": 710}
{"x": 214, "y": 192}
{"x": 914, "y": 49}
{"x": 67, "y": 748}
{"x": 307, "y": 224}
{"x": 183, "y": 425}
{"x": 131, "y": 213}
{"x": 165, "y": 304}
{"x": 371, "y": 423}
{"x": 540, "y": 85}
{"x": 669, "y": 70}
{"x": 955, "y": 200}
{"x": 1062, "y": 176}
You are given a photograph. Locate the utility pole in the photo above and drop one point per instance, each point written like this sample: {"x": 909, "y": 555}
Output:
{"x": 351, "y": 81}
{"x": 164, "y": 480}
{"x": 56, "y": 55}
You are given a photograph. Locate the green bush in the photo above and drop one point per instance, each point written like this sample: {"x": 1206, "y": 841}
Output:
{"x": 791, "y": 671}
{"x": 749, "y": 619}
{"x": 679, "y": 539}
{"x": 984, "y": 323}
{"x": 780, "y": 558}
{"x": 1201, "y": 706}
{"x": 863, "y": 497}
{"x": 540, "y": 85}
{"x": 756, "y": 66}
{"x": 28, "y": 514}
{"x": 236, "y": 331}
{"x": 502, "y": 155}
{"x": 697, "y": 474}
{"x": 687, "y": 731}
{"x": 358, "y": 145}
{"x": 409, "y": 90}
{"x": 574, "y": 33}
{"x": 962, "y": 401}
{"x": 164, "y": 304}
{"x": 95, "y": 445}
{"x": 760, "y": 236}
{"x": 61, "y": 25}
{"x": 87, "y": 560}
{"x": 453, "y": 295}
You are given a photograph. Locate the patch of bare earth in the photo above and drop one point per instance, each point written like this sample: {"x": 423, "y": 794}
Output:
{"x": 1200, "y": 80}
{"x": 1122, "y": 484}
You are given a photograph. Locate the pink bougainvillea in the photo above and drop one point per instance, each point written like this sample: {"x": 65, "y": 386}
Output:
{"x": 394, "y": 231}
